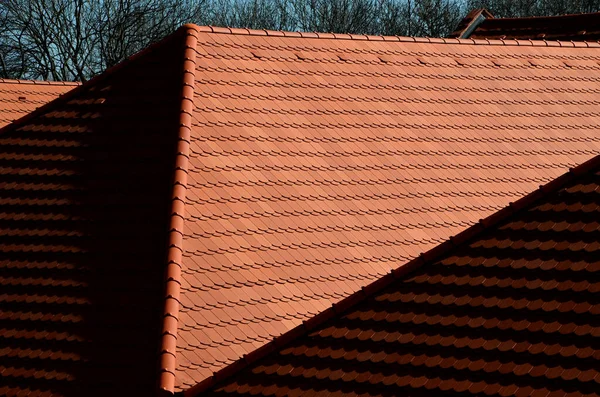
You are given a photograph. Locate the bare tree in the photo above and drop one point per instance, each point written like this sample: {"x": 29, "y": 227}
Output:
{"x": 128, "y": 26}
{"x": 340, "y": 16}
{"x": 76, "y": 39}
{"x": 396, "y": 18}
{"x": 253, "y": 14}
{"x": 436, "y": 18}
{"x": 431, "y": 18}
{"x": 12, "y": 59}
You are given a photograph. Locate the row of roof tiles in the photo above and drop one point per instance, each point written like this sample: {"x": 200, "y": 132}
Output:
{"x": 360, "y": 37}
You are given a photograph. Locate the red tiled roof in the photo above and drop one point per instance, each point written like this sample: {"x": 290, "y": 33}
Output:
{"x": 507, "y": 308}
{"x": 19, "y": 97}
{"x": 317, "y": 165}
{"x": 285, "y": 171}
{"x": 480, "y": 24}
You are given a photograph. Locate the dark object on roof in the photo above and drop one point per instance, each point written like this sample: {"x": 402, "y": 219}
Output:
{"x": 480, "y": 24}
{"x": 507, "y": 308}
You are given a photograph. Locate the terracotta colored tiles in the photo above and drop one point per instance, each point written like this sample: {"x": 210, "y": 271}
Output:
{"x": 317, "y": 165}
{"x": 268, "y": 176}
{"x": 84, "y": 202}
{"x": 19, "y": 97}
{"x": 511, "y": 312}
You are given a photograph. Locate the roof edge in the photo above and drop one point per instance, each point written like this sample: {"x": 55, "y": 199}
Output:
{"x": 168, "y": 342}
{"x": 426, "y": 40}
{"x": 40, "y": 82}
{"x": 549, "y": 17}
{"x": 429, "y": 256}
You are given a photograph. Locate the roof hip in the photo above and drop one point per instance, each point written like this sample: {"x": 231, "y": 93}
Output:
{"x": 168, "y": 344}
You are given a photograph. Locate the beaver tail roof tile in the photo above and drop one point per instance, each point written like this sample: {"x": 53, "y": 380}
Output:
{"x": 319, "y": 163}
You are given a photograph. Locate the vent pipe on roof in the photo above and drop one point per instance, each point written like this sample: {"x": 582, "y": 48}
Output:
{"x": 472, "y": 26}
{"x": 467, "y": 26}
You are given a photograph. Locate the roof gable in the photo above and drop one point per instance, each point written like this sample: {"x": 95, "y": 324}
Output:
{"x": 86, "y": 199}
{"x": 470, "y": 23}
{"x": 508, "y": 307}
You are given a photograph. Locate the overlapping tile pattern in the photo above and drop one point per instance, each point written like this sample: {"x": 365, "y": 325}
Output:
{"x": 84, "y": 204}
{"x": 512, "y": 312}
{"x": 319, "y": 164}
{"x": 316, "y": 165}
{"x": 20, "y": 97}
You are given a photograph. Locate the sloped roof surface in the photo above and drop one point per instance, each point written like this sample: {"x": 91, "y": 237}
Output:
{"x": 268, "y": 175}
{"x": 512, "y": 311}
{"x": 19, "y": 97}
{"x": 316, "y": 165}
{"x": 84, "y": 202}
{"x": 577, "y": 27}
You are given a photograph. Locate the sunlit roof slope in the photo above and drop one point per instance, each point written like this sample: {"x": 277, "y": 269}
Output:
{"x": 318, "y": 163}
{"x": 507, "y": 308}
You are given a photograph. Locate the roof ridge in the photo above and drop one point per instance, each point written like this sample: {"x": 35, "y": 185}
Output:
{"x": 168, "y": 343}
{"x": 562, "y": 16}
{"x": 39, "y": 82}
{"x": 361, "y": 37}
{"x": 376, "y": 286}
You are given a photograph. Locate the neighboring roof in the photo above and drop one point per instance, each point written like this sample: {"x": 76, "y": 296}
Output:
{"x": 480, "y": 24}
{"x": 509, "y": 307}
{"x": 85, "y": 199}
{"x": 469, "y": 23}
{"x": 269, "y": 175}
{"x": 19, "y": 97}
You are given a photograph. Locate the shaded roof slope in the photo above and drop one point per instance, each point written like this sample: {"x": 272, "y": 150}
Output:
{"x": 480, "y": 24}
{"x": 85, "y": 198}
{"x": 318, "y": 163}
{"x": 509, "y": 307}
{"x": 20, "y": 97}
